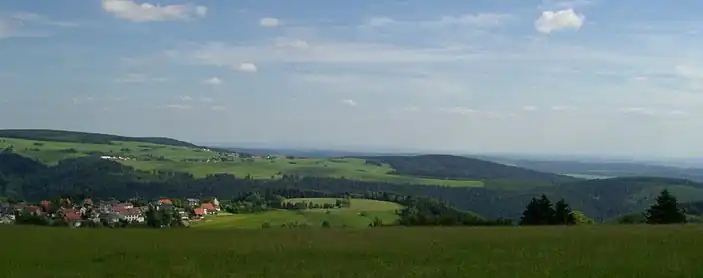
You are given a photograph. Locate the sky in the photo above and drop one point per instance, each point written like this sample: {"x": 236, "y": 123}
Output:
{"x": 597, "y": 77}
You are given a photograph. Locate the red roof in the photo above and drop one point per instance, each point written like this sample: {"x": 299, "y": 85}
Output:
{"x": 133, "y": 212}
{"x": 208, "y": 206}
{"x": 199, "y": 211}
{"x": 72, "y": 215}
{"x": 45, "y": 204}
{"x": 164, "y": 201}
{"x": 119, "y": 208}
{"x": 32, "y": 209}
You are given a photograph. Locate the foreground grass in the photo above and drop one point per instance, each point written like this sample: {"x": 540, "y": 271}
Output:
{"x": 605, "y": 251}
{"x": 192, "y": 160}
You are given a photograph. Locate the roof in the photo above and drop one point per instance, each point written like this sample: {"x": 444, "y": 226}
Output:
{"x": 72, "y": 215}
{"x": 133, "y": 212}
{"x": 119, "y": 208}
{"x": 208, "y": 206}
{"x": 32, "y": 209}
{"x": 164, "y": 201}
{"x": 199, "y": 211}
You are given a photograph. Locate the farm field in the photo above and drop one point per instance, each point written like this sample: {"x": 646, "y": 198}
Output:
{"x": 589, "y": 251}
{"x": 359, "y": 215}
{"x": 148, "y": 156}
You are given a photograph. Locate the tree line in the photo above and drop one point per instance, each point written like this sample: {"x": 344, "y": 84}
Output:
{"x": 541, "y": 211}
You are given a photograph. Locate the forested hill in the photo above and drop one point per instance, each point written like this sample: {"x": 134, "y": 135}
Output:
{"x": 459, "y": 167}
{"x": 85, "y": 137}
{"x": 23, "y": 179}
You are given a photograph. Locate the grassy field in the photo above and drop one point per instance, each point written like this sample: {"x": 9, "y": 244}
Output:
{"x": 147, "y": 156}
{"x": 358, "y": 215}
{"x": 574, "y": 252}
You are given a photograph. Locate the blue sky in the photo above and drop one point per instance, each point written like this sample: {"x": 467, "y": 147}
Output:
{"x": 580, "y": 77}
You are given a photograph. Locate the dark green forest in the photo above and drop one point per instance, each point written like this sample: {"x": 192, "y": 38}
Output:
{"x": 458, "y": 167}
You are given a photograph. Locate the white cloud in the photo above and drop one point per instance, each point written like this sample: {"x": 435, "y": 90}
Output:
{"x": 146, "y": 12}
{"x": 43, "y": 20}
{"x": 637, "y": 110}
{"x": 213, "y": 81}
{"x": 206, "y": 99}
{"x": 8, "y": 28}
{"x": 178, "y": 106}
{"x": 555, "y": 21}
{"x": 19, "y": 24}
{"x": 481, "y": 19}
{"x": 459, "y": 110}
{"x": 565, "y": 4}
{"x": 296, "y": 43}
{"x": 349, "y": 102}
{"x": 140, "y": 78}
{"x": 83, "y": 100}
{"x": 652, "y": 111}
{"x": 269, "y": 22}
{"x": 476, "y": 20}
{"x": 247, "y": 67}
{"x": 410, "y": 109}
{"x": 185, "y": 98}
{"x": 693, "y": 75}
{"x": 561, "y": 108}
{"x": 471, "y": 112}
{"x": 380, "y": 21}
{"x": 221, "y": 54}
{"x": 217, "y": 108}
{"x": 529, "y": 108}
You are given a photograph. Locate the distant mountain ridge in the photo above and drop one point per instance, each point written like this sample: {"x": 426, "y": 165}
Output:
{"x": 607, "y": 169}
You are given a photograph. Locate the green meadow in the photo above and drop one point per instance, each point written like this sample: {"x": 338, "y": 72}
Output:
{"x": 587, "y": 251}
{"x": 148, "y": 156}
{"x": 359, "y": 215}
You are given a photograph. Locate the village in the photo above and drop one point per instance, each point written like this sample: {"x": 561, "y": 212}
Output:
{"x": 109, "y": 213}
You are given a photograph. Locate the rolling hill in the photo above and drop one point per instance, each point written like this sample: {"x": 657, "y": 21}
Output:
{"x": 85, "y": 137}
{"x": 450, "y": 167}
{"x": 164, "y": 154}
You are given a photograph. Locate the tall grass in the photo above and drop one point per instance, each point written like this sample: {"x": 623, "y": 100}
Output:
{"x": 598, "y": 251}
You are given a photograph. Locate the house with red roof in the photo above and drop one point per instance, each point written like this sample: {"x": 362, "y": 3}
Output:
{"x": 45, "y": 205}
{"x": 132, "y": 215}
{"x": 198, "y": 213}
{"x": 164, "y": 201}
{"x": 36, "y": 210}
{"x": 210, "y": 208}
{"x": 71, "y": 216}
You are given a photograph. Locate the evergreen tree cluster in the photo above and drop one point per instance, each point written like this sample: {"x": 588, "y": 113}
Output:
{"x": 665, "y": 211}
{"x": 542, "y": 212}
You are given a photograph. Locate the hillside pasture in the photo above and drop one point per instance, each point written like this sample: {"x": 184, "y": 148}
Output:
{"x": 51, "y": 152}
{"x": 359, "y": 214}
{"x": 575, "y": 252}
{"x": 203, "y": 162}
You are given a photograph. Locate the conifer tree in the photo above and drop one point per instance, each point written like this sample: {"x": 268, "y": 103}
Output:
{"x": 665, "y": 211}
{"x": 563, "y": 214}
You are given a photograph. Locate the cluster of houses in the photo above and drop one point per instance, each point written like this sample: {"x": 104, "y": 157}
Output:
{"x": 106, "y": 212}
{"x": 108, "y": 157}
